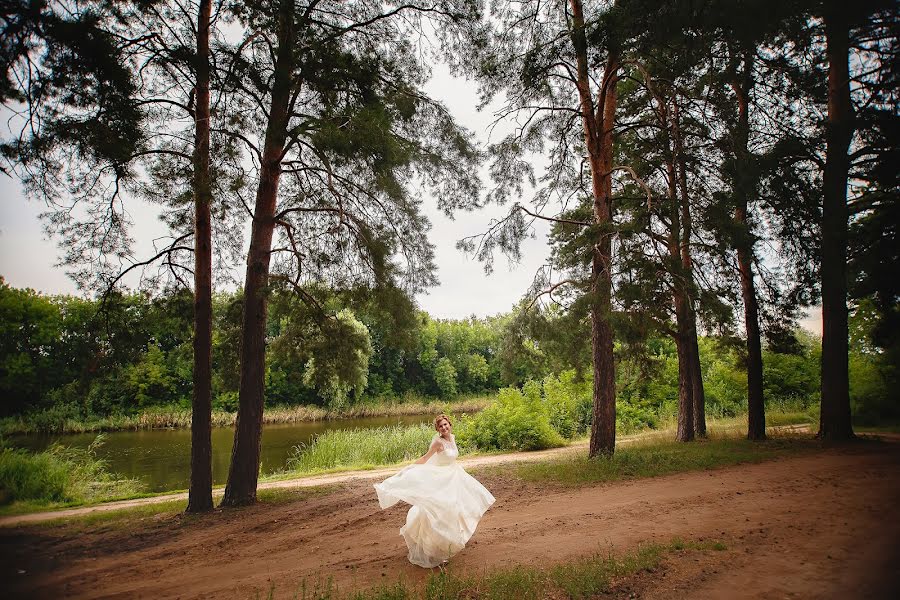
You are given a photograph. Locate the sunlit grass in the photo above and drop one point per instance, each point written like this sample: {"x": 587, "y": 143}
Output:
{"x": 652, "y": 457}
{"x": 361, "y": 448}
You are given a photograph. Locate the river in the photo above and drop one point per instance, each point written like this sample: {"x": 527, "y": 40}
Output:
{"x": 161, "y": 457}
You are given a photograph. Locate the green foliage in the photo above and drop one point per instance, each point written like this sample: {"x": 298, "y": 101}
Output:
{"x": 64, "y": 365}
{"x": 457, "y": 357}
{"x": 149, "y": 381}
{"x": 336, "y": 369}
{"x": 58, "y": 475}
{"x": 517, "y": 420}
{"x": 569, "y": 403}
{"x": 445, "y": 377}
{"x": 30, "y": 327}
{"x": 361, "y": 448}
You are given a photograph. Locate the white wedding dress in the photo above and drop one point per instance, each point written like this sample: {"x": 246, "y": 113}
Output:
{"x": 447, "y": 504}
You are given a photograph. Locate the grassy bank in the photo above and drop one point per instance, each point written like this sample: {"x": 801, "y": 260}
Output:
{"x": 578, "y": 579}
{"x": 58, "y": 477}
{"x": 654, "y": 457}
{"x": 166, "y": 417}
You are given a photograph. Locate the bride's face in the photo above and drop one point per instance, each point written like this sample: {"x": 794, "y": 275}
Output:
{"x": 444, "y": 427}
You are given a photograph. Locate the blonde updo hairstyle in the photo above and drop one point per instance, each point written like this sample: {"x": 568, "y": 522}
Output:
{"x": 439, "y": 418}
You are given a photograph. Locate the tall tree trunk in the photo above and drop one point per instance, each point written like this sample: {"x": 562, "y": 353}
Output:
{"x": 244, "y": 471}
{"x": 698, "y": 394}
{"x": 756, "y": 411}
{"x": 681, "y": 286}
{"x": 685, "y": 432}
{"x": 598, "y": 124}
{"x": 744, "y": 184}
{"x": 834, "y": 420}
{"x": 200, "y": 493}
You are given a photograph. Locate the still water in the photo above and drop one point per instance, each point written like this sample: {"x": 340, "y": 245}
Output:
{"x": 161, "y": 457}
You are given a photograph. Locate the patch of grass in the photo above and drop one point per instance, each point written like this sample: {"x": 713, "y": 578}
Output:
{"x": 653, "y": 457}
{"x": 361, "y": 448}
{"x": 58, "y": 476}
{"x": 579, "y": 579}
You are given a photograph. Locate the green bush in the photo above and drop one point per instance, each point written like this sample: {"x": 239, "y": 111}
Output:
{"x": 25, "y": 476}
{"x": 569, "y": 403}
{"x": 59, "y": 474}
{"x": 54, "y": 419}
{"x": 631, "y": 418}
{"x": 226, "y": 401}
{"x": 517, "y": 420}
{"x": 871, "y": 382}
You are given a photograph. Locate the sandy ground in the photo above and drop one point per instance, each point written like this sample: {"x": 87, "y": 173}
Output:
{"x": 819, "y": 525}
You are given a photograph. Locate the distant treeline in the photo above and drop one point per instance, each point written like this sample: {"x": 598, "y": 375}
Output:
{"x": 68, "y": 357}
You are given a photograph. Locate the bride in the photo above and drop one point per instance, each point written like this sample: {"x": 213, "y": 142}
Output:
{"x": 447, "y": 502}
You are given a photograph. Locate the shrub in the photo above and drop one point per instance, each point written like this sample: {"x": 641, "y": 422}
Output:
{"x": 517, "y": 420}
{"x": 569, "y": 403}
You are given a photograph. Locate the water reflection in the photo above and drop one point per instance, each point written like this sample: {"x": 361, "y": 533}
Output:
{"x": 161, "y": 457}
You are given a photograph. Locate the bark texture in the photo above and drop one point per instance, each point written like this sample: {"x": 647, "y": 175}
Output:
{"x": 200, "y": 492}
{"x": 744, "y": 184}
{"x": 698, "y": 394}
{"x": 244, "y": 471}
{"x": 834, "y": 420}
{"x": 598, "y": 120}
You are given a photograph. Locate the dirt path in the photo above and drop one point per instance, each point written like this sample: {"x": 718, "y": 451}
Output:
{"x": 813, "y": 526}
{"x": 340, "y": 478}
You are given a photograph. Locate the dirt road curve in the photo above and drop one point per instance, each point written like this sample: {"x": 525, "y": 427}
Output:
{"x": 814, "y": 526}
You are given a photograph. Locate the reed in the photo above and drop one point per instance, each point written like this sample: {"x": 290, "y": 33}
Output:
{"x": 361, "y": 448}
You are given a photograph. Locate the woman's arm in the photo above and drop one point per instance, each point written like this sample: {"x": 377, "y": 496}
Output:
{"x": 435, "y": 447}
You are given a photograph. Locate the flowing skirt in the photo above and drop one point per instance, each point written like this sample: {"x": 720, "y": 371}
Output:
{"x": 447, "y": 504}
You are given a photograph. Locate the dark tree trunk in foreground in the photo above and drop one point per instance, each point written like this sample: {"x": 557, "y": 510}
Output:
{"x": 244, "y": 471}
{"x": 756, "y": 411}
{"x": 698, "y": 395}
{"x": 834, "y": 421}
{"x": 685, "y": 431}
{"x": 756, "y": 415}
{"x": 200, "y": 493}
{"x": 681, "y": 286}
{"x": 598, "y": 133}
